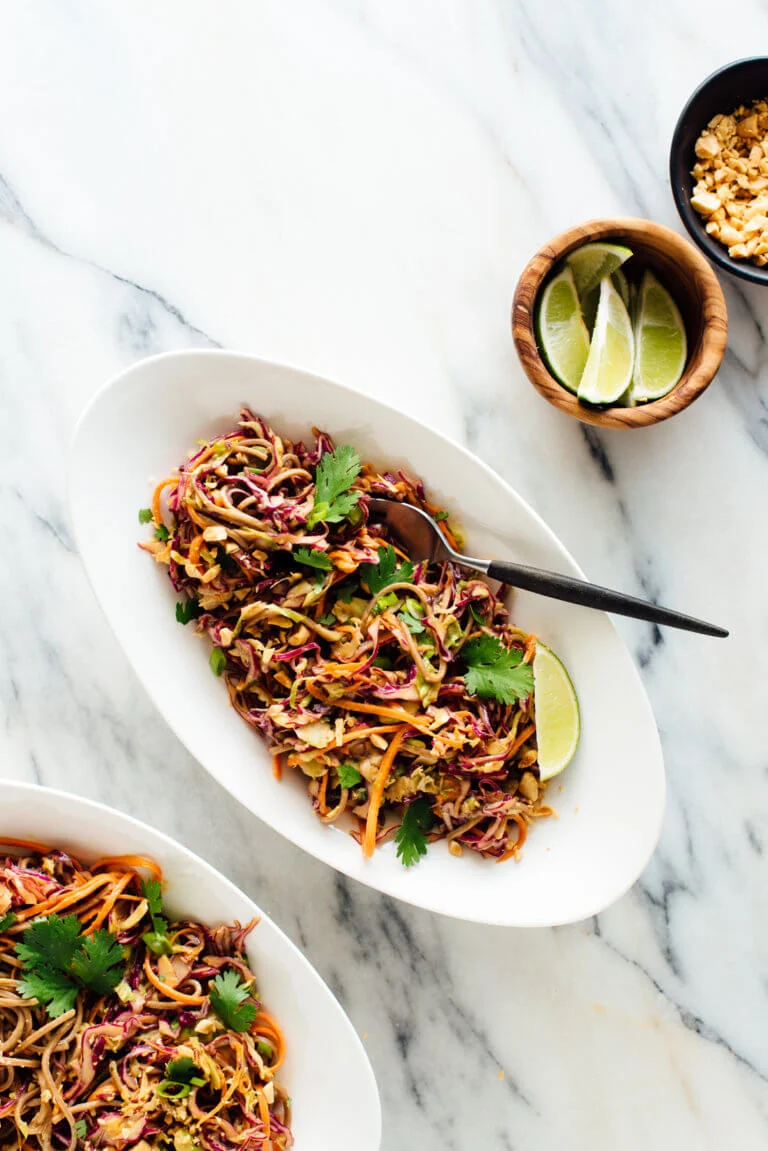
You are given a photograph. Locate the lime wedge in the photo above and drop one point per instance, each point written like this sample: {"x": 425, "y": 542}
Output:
{"x": 590, "y": 301}
{"x": 591, "y": 263}
{"x": 557, "y": 713}
{"x": 661, "y": 346}
{"x": 621, "y": 284}
{"x": 608, "y": 370}
{"x": 562, "y": 333}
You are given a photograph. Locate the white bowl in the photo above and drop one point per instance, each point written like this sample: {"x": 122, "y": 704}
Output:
{"x": 329, "y": 1109}
{"x": 142, "y": 424}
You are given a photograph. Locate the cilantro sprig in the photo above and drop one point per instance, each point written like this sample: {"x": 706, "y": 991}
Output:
{"x": 494, "y": 672}
{"x": 336, "y": 473}
{"x": 181, "y": 1075}
{"x": 157, "y": 940}
{"x": 228, "y": 994}
{"x": 313, "y": 558}
{"x": 186, "y": 610}
{"x": 58, "y": 962}
{"x": 411, "y": 836}
{"x": 387, "y": 571}
{"x": 7, "y": 921}
{"x": 349, "y": 776}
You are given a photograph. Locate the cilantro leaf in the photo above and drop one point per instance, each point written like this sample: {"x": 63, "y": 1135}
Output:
{"x": 162, "y": 533}
{"x": 336, "y": 473}
{"x": 81, "y": 1128}
{"x": 7, "y": 921}
{"x": 439, "y": 516}
{"x": 227, "y": 994}
{"x": 50, "y": 942}
{"x": 145, "y": 515}
{"x": 313, "y": 558}
{"x": 414, "y": 625}
{"x": 387, "y": 571}
{"x": 411, "y": 839}
{"x": 152, "y": 891}
{"x": 328, "y": 620}
{"x": 384, "y": 662}
{"x": 51, "y": 988}
{"x": 345, "y": 591}
{"x": 493, "y": 672}
{"x": 184, "y": 1070}
{"x": 58, "y": 962}
{"x": 218, "y": 660}
{"x": 100, "y": 962}
{"x": 349, "y": 776}
{"x": 476, "y": 614}
{"x": 186, "y": 610}
{"x": 157, "y": 939}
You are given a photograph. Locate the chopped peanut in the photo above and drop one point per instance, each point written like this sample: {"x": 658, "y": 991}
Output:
{"x": 731, "y": 174}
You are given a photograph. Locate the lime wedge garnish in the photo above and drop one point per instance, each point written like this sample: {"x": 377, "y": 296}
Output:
{"x": 562, "y": 333}
{"x": 661, "y": 347}
{"x": 591, "y": 263}
{"x": 557, "y": 713}
{"x": 608, "y": 370}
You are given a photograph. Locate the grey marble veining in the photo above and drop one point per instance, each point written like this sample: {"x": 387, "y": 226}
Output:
{"x": 354, "y": 186}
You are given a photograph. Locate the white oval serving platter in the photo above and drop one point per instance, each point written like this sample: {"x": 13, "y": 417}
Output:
{"x": 609, "y": 801}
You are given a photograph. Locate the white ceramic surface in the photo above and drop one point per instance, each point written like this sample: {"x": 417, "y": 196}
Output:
{"x": 329, "y": 1110}
{"x": 609, "y": 801}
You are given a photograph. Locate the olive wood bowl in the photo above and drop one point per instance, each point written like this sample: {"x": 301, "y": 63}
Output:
{"x": 684, "y": 272}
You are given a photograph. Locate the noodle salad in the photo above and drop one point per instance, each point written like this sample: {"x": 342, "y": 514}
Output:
{"x": 122, "y": 1027}
{"x": 400, "y": 690}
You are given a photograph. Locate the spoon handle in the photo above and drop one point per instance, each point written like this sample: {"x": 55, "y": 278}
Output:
{"x": 591, "y": 595}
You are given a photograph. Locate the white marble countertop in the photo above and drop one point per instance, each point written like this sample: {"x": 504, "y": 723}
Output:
{"x": 354, "y": 187}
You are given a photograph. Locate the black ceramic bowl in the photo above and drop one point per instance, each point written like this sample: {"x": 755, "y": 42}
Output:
{"x": 723, "y": 91}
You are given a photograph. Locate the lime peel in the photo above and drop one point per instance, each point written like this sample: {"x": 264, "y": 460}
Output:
{"x": 558, "y": 723}
{"x": 561, "y": 331}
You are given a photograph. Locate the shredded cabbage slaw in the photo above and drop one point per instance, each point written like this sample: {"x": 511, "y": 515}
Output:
{"x": 351, "y": 661}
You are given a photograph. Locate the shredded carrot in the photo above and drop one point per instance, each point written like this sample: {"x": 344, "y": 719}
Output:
{"x": 30, "y": 844}
{"x": 530, "y": 649}
{"x": 364, "y": 732}
{"x": 395, "y": 713}
{"x": 195, "y": 548}
{"x": 132, "y": 862}
{"x": 157, "y": 511}
{"x": 170, "y": 992}
{"x": 264, "y": 1024}
{"x": 322, "y": 805}
{"x": 377, "y": 792}
{"x": 110, "y": 901}
{"x": 522, "y": 832}
{"x": 277, "y": 766}
{"x": 58, "y": 902}
{"x": 264, "y": 1113}
{"x": 525, "y": 734}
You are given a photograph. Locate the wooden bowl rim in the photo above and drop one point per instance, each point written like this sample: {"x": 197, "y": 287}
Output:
{"x": 697, "y": 376}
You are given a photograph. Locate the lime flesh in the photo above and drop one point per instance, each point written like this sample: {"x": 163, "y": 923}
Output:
{"x": 608, "y": 370}
{"x": 661, "y": 347}
{"x": 558, "y": 725}
{"x": 562, "y": 333}
{"x": 591, "y": 300}
{"x": 591, "y": 263}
